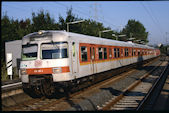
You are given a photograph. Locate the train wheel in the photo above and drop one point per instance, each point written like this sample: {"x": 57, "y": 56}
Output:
{"x": 31, "y": 91}
{"x": 37, "y": 91}
{"x": 48, "y": 88}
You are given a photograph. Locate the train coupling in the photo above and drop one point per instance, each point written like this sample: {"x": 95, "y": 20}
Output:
{"x": 37, "y": 82}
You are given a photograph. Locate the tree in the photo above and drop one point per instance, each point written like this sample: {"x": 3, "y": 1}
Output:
{"x": 88, "y": 27}
{"x": 91, "y": 27}
{"x": 69, "y": 18}
{"x": 43, "y": 21}
{"x": 5, "y": 25}
{"x": 24, "y": 27}
{"x": 9, "y": 29}
{"x": 136, "y": 30}
{"x": 16, "y": 29}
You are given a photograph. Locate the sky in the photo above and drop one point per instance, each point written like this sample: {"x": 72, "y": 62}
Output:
{"x": 154, "y": 15}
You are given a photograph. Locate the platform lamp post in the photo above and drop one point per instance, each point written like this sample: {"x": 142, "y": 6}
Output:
{"x": 103, "y": 32}
{"x": 73, "y": 23}
{"x": 118, "y": 36}
{"x": 132, "y": 38}
{"x": 115, "y": 36}
{"x": 121, "y": 35}
{"x": 138, "y": 41}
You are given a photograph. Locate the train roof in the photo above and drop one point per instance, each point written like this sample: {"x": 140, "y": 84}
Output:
{"x": 91, "y": 39}
{"x": 109, "y": 41}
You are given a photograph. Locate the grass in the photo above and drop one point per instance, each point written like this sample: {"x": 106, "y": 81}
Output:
{"x": 4, "y": 75}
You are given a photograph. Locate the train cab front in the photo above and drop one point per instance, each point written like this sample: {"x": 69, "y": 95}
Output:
{"x": 44, "y": 63}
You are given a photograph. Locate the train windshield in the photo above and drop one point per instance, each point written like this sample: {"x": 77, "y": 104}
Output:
{"x": 56, "y": 50}
{"x": 29, "y": 52}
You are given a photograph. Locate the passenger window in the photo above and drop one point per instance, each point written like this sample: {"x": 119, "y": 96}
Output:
{"x": 126, "y": 51}
{"x": 134, "y": 52}
{"x": 115, "y": 53}
{"x": 105, "y": 53}
{"x": 84, "y": 53}
{"x": 118, "y": 52}
{"x": 138, "y": 53}
{"x": 110, "y": 53}
{"x": 100, "y": 53}
{"x": 73, "y": 49}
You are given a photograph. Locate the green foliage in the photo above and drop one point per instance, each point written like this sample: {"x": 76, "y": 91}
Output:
{"x": 88, "y": 27}
{"x": 69, "y": 18}
{"x": 163, "y": 49}
{"x": 43, "y": 21}
{"x": 15, "y": 29}
{"x": 4, "y": 75}
{"x": 135, "y": 29}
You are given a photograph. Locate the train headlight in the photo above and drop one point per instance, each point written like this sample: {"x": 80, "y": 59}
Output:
{"x": 23, "y": 71}
{"x": 41, "y": 32}
{"x": 57, "y": 70}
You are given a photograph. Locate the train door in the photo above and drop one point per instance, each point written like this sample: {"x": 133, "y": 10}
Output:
{"x": 74, "y": 58}
{"x": 93, "y": 58}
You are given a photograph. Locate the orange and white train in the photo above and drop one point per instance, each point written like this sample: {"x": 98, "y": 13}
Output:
{"x": 59, "y": 58}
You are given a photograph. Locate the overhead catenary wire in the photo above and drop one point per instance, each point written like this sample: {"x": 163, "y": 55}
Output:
{"x": 79, "y": 11}
{"x": 86, "y": 14}
{"x": 155, "y": 17}
{"x": 157, "y": 26}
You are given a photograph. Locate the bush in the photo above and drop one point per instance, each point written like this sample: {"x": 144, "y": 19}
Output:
{"x": 4, "y": 75}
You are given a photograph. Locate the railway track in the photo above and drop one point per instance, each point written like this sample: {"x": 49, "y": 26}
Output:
{"x": 135, "y": 96}
{"x": 43, "y": 104}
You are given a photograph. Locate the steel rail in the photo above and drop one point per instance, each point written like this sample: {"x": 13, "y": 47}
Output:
{"x": 114, "y": 101}
{"x": 92, "y": 86}
{"x": 9, "y": 85}
{"x": 140, "y": 106}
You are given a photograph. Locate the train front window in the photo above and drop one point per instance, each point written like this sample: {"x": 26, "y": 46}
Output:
{"x": 29, "y": 52}
{"x": 56, "y": 50}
